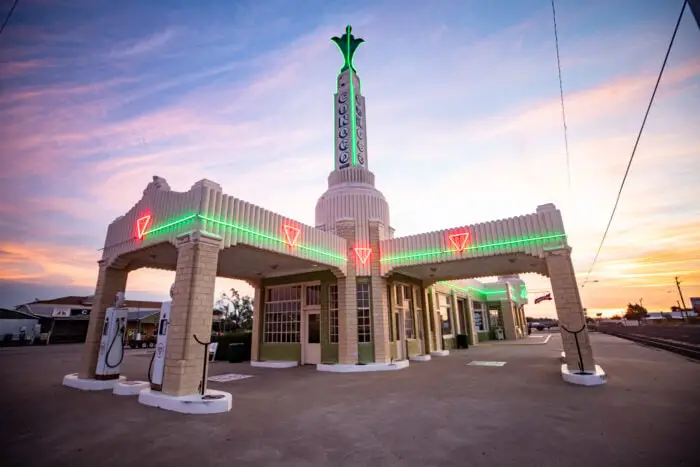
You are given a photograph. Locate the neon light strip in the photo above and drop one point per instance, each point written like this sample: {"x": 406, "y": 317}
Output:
{"x": 271, "y": 237}
{"x": 353, "y": 139}
{"x": 467, "y": 288}
{"x": 424, "y": 254}
{"x": 170, "y": 224}
{"x": 241, "y": 229}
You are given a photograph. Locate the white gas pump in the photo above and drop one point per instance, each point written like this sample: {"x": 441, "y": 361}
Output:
{"x": 157, "y": 370}
{"x": 112, "y": 344}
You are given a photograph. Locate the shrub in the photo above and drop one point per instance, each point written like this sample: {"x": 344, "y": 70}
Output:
{"x": 237, "y": 337}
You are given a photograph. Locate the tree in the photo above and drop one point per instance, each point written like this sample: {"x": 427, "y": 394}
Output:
{"x": 237, "y": 311}
{"x": 616, "y": 317}
{"x": 635, "y": 312}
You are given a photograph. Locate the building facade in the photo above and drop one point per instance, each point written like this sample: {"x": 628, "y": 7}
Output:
{"x": 347, "y": 292}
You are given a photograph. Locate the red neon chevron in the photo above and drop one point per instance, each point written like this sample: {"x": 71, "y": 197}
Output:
{"x": 292, "y": 234}
{"x": 363, "y": 254}
{"x": 459, "y": 240}
{"x": 142, "y": 224}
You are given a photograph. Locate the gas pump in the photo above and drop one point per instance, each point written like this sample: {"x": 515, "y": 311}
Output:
{"x": 157, "y": 367}
{"x": 112, "y": 344}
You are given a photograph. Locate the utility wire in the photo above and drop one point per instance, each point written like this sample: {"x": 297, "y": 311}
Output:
{"x": 561, "y": 95}
{"x": 7, "y": 18}
{"x": 636, "y": 143}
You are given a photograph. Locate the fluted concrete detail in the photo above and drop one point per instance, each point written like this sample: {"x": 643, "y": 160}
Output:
{"x": 530, "y": 234}
{"x": 205, "y": 207}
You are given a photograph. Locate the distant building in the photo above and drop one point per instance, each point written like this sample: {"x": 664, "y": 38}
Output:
{"x": 16, "y": 326}
{"x": 695, "y": 304}
{"x": 65, "y": 319}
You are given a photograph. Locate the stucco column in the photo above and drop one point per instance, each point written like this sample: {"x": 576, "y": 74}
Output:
{"x": 508, "y": 320}
{"x": 193, "y": 298}
{"x": 569, "y": 308}
{"x": 473, "y": 337}
{"x": 110, "y": 280}
{"x": 457, "y": 327}
{"x": 380, "y": 306}
{"x": 347, "y": 299}
{"x": 427, "y": 319}
{"x": 257, "y": 320}
{"x": 435, "y": 318}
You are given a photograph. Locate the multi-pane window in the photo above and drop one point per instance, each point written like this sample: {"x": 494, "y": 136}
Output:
{"x": 479, "y": 321}
{"x": 282, "y": 314}
{"x": 446, "y": 313}
{"x": 364, "y": 320}
{"x": 333, "y": 314}
{"x": 409, "y": 324}
{"x": 495, "y": 318}
{"x": 313, "y": 295}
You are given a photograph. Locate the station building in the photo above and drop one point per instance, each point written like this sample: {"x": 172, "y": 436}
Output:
{"x": 345, "y": 294}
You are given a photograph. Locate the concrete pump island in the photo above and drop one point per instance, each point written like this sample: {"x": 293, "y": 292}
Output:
{"x": 346, "y": 295}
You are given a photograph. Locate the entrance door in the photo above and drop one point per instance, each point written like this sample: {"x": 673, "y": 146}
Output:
{"x": 312, "y": 338}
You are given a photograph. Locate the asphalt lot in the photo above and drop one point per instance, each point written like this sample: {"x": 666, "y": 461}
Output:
{"x": 441, "y": 412}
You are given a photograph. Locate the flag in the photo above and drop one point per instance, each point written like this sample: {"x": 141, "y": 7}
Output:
{"x": 543, "y": 298}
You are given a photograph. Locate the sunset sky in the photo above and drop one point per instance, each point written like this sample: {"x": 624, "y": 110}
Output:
{"x": 463, "y": 114}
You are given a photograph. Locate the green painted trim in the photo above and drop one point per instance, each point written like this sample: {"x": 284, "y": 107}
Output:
{"x": 449, "y": 343}
{"x": 365, "y": 352}
{"x": 413, "y": 347}
{"x": 281, "y": 352}
{"x": 329, "y": 353}
{"x": 484, "y": 336}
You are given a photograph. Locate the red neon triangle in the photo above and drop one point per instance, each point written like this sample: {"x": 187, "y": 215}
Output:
{"x": 459, "y": 240}
{"x": 142, "y": 224}
{"x": 292, "y": 234}
{"x": 363, "y": 254}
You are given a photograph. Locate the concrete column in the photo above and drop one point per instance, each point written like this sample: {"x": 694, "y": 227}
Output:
{"x": 456, "y": 327}
{"x": 347, "y": 299}
{"x": 110, "y": 280}
{"x": 508, "y": 320}
{"x": 435, "y": 318}
{"x": 380, "y": 306}
{"x": 193, "y": 298}
{"x": 427, "y": 319}
{"x": 473, "y": 337}
{"x": 257, "y": 320}
{"x": 569, "y": 308}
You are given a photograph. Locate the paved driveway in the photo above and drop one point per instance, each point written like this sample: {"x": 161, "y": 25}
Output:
{"x": 438, "y": 413}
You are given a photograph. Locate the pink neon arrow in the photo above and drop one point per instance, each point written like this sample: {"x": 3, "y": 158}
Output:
{"x": 363, "y": 254}
{"x": 459, "y": 240}
{"x": 292, "y": 234}
{"x": 142, "y": 224}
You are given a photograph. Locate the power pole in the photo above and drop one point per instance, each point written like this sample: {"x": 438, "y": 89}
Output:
{"x": 678, "y": 285}
{"x": 695, "y": 8}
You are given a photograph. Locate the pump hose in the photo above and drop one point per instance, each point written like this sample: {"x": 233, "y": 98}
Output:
{"x": 150, "y": 368}
{"x": 111, "y": 345}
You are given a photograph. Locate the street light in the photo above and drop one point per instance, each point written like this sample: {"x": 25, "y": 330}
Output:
{"x": 589, "y": 282}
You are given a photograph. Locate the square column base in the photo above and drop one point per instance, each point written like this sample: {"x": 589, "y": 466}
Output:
{"x": 130, "y": 388}
{"x": 349, "y": 368}
{"x": 420, "y": 358}
{"x": 597, "y": 378}
{"x": 212, "y": 402}
{"x": 440, "y": 353}
{"x": 89, "y": 384}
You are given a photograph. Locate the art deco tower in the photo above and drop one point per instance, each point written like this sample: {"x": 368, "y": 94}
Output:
{"x": 351, "y": 193}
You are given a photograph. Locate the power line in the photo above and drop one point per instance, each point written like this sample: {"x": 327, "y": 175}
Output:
{"x": 561, "y": 95}
{"x": 7, "y": 18}
{"x": 636, "y": 143}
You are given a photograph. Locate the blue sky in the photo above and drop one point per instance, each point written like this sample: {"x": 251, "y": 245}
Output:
{"x": 462, "y": 101}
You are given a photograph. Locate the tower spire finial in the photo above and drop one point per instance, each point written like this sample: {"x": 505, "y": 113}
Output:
{"x": 347, "y": 44}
